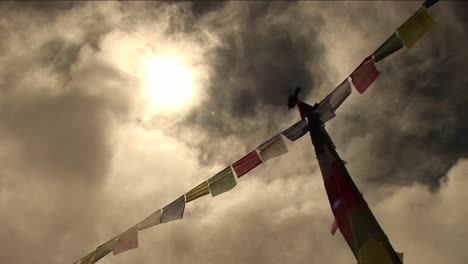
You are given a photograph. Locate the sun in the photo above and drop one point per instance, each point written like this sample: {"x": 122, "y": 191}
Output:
{"x": 168, "y": 82}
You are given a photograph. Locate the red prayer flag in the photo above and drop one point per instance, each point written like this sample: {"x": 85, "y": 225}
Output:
{"x": 400, "y": 255}
{"x": 127, "y": 240}
{"x": 334, "y": 227}
{"x": 247, "y": 163}
{"x": 365, "y": 74}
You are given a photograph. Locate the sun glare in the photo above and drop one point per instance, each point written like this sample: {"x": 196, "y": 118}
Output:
{"x": 168, "y": 82}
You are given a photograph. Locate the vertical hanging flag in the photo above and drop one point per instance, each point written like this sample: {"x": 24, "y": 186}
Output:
{"x": 334, "y": 227}
{"x": 364, "y": 75}
{"x": 390, "y": 46}
{"x": 415, "y": 27}
{"x": 152, "y": 220}
{"x": 127, "y": 240}
{"x": 296, "y": 131}
{"x": 272, "y": 148}
{"x": 400, "y": 256}
{"x": 88, "y": 259}
{"x": 428, "y": 3}
{"x": 174, "y": 210}
{"x": 246, "y": 164}
{"x": 197, "y": 192}
{"x": 331, "y": 102}
{"x": 105, "y": 249}
{"x": 222, "y": 182}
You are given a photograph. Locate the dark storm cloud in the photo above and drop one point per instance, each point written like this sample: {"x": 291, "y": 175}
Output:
{"x": 61, "y": 129}
{"x": 58, "y": 54}
{"x": 52, "y": 50}
{"x": 417, "y": 128}
{"x": 261, "y": 56}
{"x": 260, "y": 61}
{"x": 51, "y": 8}
{"x": 200, "y": 8}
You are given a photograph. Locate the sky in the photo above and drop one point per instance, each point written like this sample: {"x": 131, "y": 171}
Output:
{"x": 88, "y": 148}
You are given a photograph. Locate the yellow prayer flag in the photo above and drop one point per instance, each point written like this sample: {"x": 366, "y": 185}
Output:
{"x": 415, "y": 27}
{"x": 197, "y": 192}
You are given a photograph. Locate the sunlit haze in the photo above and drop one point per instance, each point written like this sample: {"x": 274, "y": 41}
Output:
{"x": 168, "y": 83}
{"x": 113, "y": 110}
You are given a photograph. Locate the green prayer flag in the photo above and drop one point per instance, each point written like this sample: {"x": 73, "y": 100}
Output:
{"x": 415, "y": 27}
{"x": 222, "y": 182}
{"x": 104, "y": 249}
{"x": 88, "y": 259}
{"x": 391, "y": 45}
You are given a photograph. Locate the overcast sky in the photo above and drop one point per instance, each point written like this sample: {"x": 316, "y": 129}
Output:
{"x": 85, "y": 154}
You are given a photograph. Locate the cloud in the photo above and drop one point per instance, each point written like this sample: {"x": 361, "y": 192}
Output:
{"x": 428, "y": 225}
{"x": 82, "y": 158}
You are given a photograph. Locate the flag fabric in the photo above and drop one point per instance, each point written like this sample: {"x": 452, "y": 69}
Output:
{"x": 174, "y": 210}
{"x": 126, "y": 241}
{"x": 304, "y": 109}
{"x": 88, "y": 259}
{"x": 400, "y": 255}
{"x": 428, "y": 3}
{"x": 364, "y": 75}
{"x": 390, "y": 46}
{"x": 334, "y": 227}
{"x": 246, "y": 163}
{"x": 105, "y": 249}
{"x": 152, "y": 220}
{"x": 222, "y": 182}
{"x": 272, "y": 148}
{"x": 353, "y": 217}
{"x": 415, "y": 27}
{"x": 296, "y": 131}
{"x": 331, "y": 102}
{"x": 197, "y": 192}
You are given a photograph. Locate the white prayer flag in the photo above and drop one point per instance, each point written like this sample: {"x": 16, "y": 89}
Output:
{"x": 331, "y": 102}
{"x": 297, "y": 130}
{"x": 174, "y": 210}
{"x": 152, "y": 220}
{"x": 272, "y": 148}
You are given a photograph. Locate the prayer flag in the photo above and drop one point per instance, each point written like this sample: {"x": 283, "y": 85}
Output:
{"x": 197, "y": 192}
{"x": 334, "y": 227}
{"x": 297, "y": 130}
{"x": 105, "y": 249}
{"x": 222, "y": 182}
{"x": 364, "y": 75}
{"x": 415, "y": 27}
{"x": 152, "y": 220}
{"x": 400, "y": 256}
{"x": 428, "y": 3}
{"x": 127, "y": 240}
{"x": 325, "y": 161}
{"x": 246, "y": 164}
{"x": 272, "y": 148}
{"x": 174, "y": 210}
{"x": 331, "y": 102}
{"x": 88, "y": 259}
{"x": 390, "y": 46}
{"x": 353, "y": 217}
